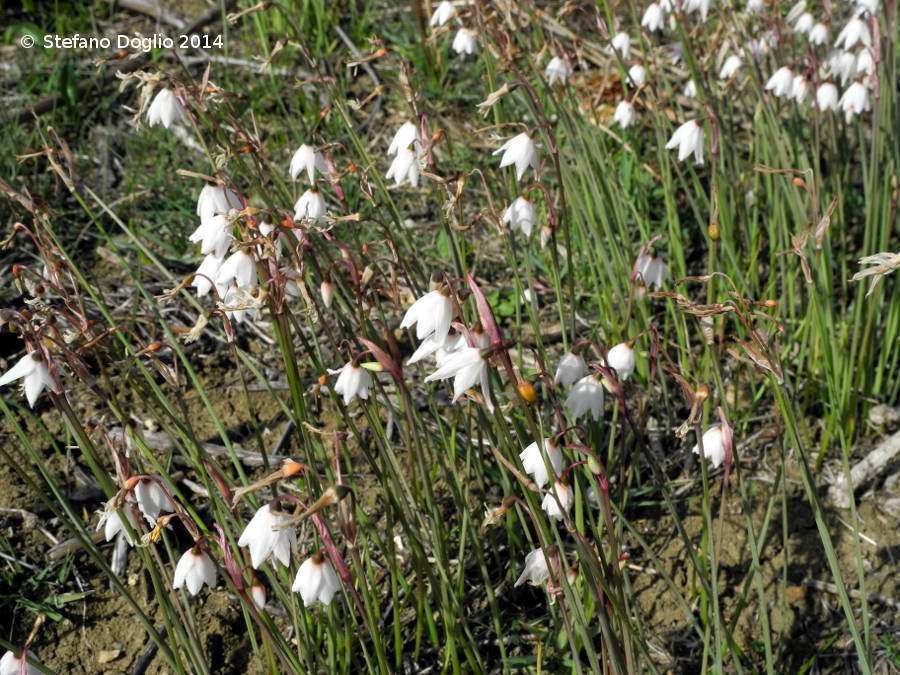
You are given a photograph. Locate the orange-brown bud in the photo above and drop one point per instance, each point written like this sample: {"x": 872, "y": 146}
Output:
{"x": 713, "y": 231}
{"x": 800, "y": 183}
{"x": 290, "y": 468}
{"x": 702, "y": 393}
{"x": 527, "y": 392}
{"x": 772, "y": 303}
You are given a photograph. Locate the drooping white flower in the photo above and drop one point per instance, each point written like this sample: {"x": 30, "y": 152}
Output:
{"x": 622, "y": 44}
{"x": 690, "y": 89}
{"x": 194, "y": 569}
{"x": 870, "y": 6}
{"x": 15, "y": 664}
{"x": 841, "y": 63}
{"x": 856, "y": 32}
{"x": 405, "y": 166}
{"x": 112, "y": 524}
{"x": 701, "y": 6}
{"x": 536, "y": 571}
{"x": 855, "y": 101}
{"x": 566, "y": 496}
{"x": 637, "y": 75}
{"x": 520, "y": 215}
{"x": 353, "y": 381}
{"x": 557, "y": 69}
{"x": 519, "y": 150}
{"x": 781, "y": 82}
{"x": 624, "y": 115}
{"x": 316, "y": 580}
{"x": 444, "y": 12}
{"x": 532, "y": 459}
{"x": 865, "y": 63}
{"x": 621, "y": 357}
{"x": 263, "y": 540}
{"x": 713, "y": 446}
{"x": 730, "y": 67}
{"x": 586, "y": 396}
{"x": 32, "y": 368}
{"x": 755, "y": 6}
{"x": 214, "y": 235}
{"x": 406, "y": 135}
{"x": 310, "y": 206}
{"x": 151, "y": 498}
{"x": 652, "y": 269}
{"x": 431, "y": 314}
{"x": 689, "y": 139}
{"x": 818, "y": 34}
{"x": 653, "y": 18}
{"x": 804, "y": 23}
{"x": 426, "y": 348}
{"x": 307, "y": 159}
{"x": 827, "y": 96}
{"x": 205, "y": 274}
{"x": 240, "y": 268}
{"x": 468, "y": 367}
{"x": 465, "y": 42}
{"x": 571, "y": 368}
{"x": 795, "y": 11}
{"x": 215, "y": 200}
{"x": 165, "y": 110}
{"x": 799, "y": 88}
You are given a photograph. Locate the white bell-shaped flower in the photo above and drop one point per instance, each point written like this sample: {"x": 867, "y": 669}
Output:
{"x": 533, "y": 461}
{"x": 624, "y": 115}
{"x": 586, "y": 396}
{"x": 571, "y": 368}
{"x": 557, "y": 70}
{"x": 444, "y": 12}
{"x": 151, "y": 498}
{"x": 520, "y": 215}
{"x": 621, "y": 357}
{"x": 406, "y": 135}
{"x": 468, "y": 367}
{"x": 827, "y": 96}
{"x": 307, "y": 159}
{"x": 536, "y": 571}
{"x": 215, "y": 200}
{"x": 689, "y": 139}
{"x": 33, "y": 370}
{"x": 405, "y": 166}
{"x": 194, "y": 569}
{"x": 316, "y": 581}
{"x": 214, "y": 235}
{"x": 165, "y": 109}
{"x": 781, "y": 82}
{"x": 520, "y": 151}
{"x": 566, "y": 496}
{"x": 431, "y": 315}
{"x": 713, "y": 446}
{"x": 353, "y": 380}
{"x": 310, "y": 206}
{"x": 263, "y": 540}
{"x": 653, "y": 18}
{"x": 465, "y": 42}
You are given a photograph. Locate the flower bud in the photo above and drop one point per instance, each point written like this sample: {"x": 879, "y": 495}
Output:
{"x": 327, "y": 291}
{"x": 527, "y": 392}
